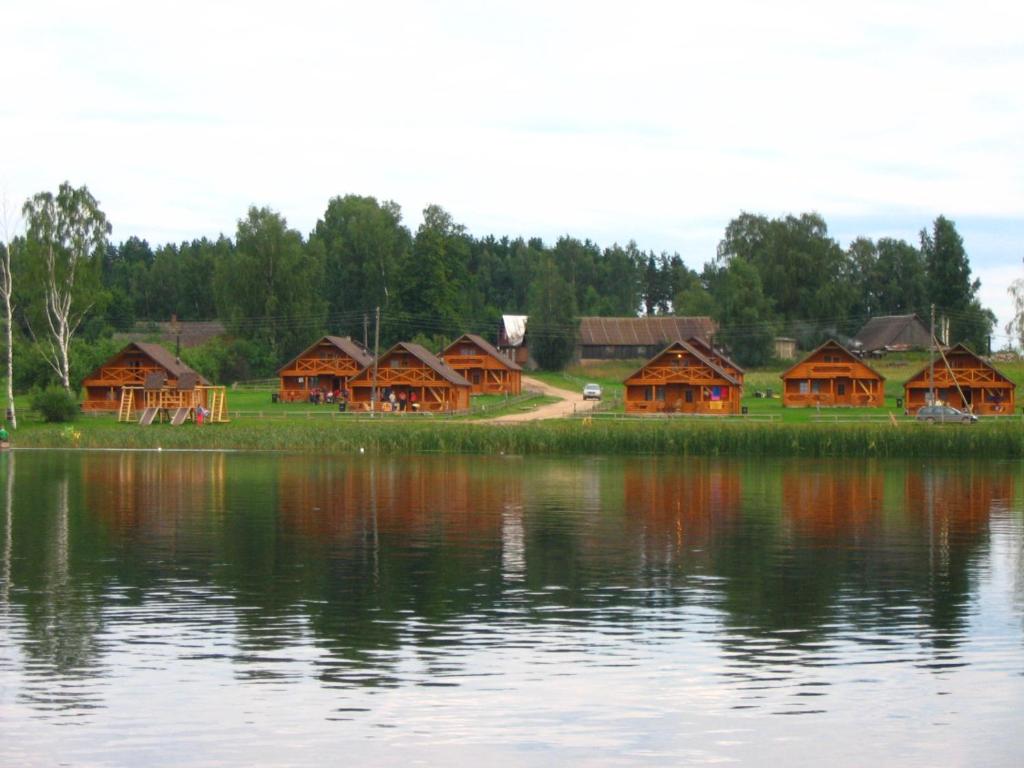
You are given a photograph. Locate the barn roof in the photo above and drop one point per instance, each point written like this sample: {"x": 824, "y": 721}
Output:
{"x": 486, "y": 347}
{"x": 699, "y": 354}
{"x": 343, "y": 343}
{"x": 894, "y": 331}
{"x": 829, "y": 343}
{"x": 191, "y": 333}
{"x": 642, "y": 331}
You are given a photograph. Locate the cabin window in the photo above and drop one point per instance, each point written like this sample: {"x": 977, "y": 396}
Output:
{"x": 467, "y": 349}
{"x": 816, "y": 386}
{"x": 805, "y": 387}
{"x": 840, "y": 389}
{"x": 659, "y": 394}
{"x": 689, "y": 395}
{"x": 396, "y": 362}
{"x": 648, "y": 393}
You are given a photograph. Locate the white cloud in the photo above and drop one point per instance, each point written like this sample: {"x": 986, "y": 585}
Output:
{"x": 652, "y": 121}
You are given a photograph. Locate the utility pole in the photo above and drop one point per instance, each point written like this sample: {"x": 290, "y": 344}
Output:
{"x": 366, "y": 323}
{"x": 376, "y": 354}
{"x": 931, "y": 363}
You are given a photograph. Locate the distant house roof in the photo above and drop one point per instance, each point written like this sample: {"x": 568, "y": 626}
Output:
{"x": 642, "y": 331}
{"x": 343, "y": 343}
{"x": 513, "y": 329}
{"x": 487, "y": 347}
{"x": 838, "y": 347}
{"x": 431, "y": 361}
{"x": 161, "y": 357}
{"x": 905, "y": 331}
{"x": 696, "y": 352}
{"x": 191, "y": 332}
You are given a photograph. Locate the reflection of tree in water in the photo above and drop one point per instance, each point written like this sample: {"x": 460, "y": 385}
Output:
{"x": 841, "y": 562}
{"x": 379, "y": 563}
{"x": 58, "y": 613}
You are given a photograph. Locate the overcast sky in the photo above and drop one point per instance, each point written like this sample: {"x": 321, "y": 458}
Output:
{"x": 656, "y": 122}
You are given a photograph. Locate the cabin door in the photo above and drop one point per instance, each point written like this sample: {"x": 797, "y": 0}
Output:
{"x": 844, "y": 389}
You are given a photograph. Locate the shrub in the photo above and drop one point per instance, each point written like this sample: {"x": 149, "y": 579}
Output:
{"x": 55, "y": 404}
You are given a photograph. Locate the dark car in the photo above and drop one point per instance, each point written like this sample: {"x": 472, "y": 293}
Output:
{"x": 943, "y": 414}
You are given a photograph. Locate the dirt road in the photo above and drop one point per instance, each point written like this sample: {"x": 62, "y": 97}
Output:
{"x": 570, "y": 402}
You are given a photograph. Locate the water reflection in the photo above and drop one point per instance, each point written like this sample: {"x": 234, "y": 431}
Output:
{"x": 785, "y": 582}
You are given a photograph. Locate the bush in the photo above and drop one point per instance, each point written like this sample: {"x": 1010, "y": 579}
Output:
{"x": 55, "y": 404}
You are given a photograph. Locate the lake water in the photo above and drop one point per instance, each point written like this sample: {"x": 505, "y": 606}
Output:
{"x": 230, "y": 609}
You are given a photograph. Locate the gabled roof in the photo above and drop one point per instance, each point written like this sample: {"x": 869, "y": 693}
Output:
{"x": 699, "y": 343}
{"x": 486, "y": 347}
{"x": 429, "y": 360}
{"x": 642, "y": 331}
{"x": 696, "y": 353}
{"x": 344, "y": 344}
{"x": 894, "y": 331}
{"x": 962, "y": 349}
{"x": 836, "y": 345}
{"x": 164, "y": 359}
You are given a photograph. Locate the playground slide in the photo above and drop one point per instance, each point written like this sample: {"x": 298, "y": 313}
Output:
{"x": 180, "y": 414}
{"x": 147, "y": 417}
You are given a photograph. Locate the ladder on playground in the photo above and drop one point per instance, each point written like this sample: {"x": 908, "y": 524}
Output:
{"x": 124, "y": 413}
{"x": 218, "y": 405}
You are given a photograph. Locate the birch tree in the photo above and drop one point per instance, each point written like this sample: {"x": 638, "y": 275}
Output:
{"x": 6, "y": 291}
{"x": 65, "y": 236}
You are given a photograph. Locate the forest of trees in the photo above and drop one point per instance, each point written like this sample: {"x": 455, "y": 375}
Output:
{"x": 277, "y": 289}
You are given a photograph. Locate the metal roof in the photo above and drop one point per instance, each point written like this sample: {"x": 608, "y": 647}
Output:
{"x": 642, "y": 331}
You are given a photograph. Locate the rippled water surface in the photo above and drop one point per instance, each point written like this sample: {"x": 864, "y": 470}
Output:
{"x": 224, "y": 609}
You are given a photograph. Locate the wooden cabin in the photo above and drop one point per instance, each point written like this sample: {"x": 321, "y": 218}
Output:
{"x": 982, "y": 388}
{"x": 129, "y": 368}
{"x": 685, "y": 377}
{"x": 487, "y": 370}
{"x": 326, "y": 365}
{"x": 408, "y": 369}
{"x": 832, "y": 376}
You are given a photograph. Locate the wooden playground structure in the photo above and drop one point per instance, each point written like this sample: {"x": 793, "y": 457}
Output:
{"x": 174, "y": 402}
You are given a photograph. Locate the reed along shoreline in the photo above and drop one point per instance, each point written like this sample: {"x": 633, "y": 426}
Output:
{"x": 996, "y": 440}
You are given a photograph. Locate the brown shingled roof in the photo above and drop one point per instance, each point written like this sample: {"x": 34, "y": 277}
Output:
{"x": 431, "y": 361}
{"x": 642, "y": 331}
{"x": 166, "y": 360}
{"x": 698, "y": 353}
{"x": 486, "y": 347}
{"x": 343, "y": 343}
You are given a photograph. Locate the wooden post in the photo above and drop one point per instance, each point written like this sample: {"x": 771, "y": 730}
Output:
{"x": 376, "y": 354}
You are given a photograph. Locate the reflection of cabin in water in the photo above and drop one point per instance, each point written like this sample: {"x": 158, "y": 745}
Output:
{"x": 487, "y": 370}
{"x": 982, "y": 388}
{"x": 686, "y": 377}
{"x": 129, "y": 368}
{"x": 831, "y": 375}
{"x": 327, "y": 364}
{"x": 427, "y": 383}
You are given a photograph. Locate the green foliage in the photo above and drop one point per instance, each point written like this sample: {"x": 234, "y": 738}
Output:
{"x": 743, "y": 313}
{"x": 553, "y": 323}
{"x": 225, "y": 361}
{"x": 269, "y": 289}
{"x": 950, "y": 286}
{"x": 55, "y": 404}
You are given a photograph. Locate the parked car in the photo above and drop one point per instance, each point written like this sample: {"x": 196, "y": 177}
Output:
{"x": 943, "y": 414}
{"x": 592, "y": 392}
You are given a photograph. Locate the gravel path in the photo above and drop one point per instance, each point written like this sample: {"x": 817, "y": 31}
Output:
{"x": 569, "y": 403}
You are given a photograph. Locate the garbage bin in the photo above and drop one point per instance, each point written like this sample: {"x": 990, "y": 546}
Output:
{"x": 274, "y": 397}
{"x": 743, "y": 410}
{"x": 342, "y": 406}
{"x": 768, "y": 393}
{"x": 899, "y": 402}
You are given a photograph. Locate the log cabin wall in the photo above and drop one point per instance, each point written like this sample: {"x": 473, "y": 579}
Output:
{"x": 983, "y": 389}
{"x": 682, "y": 380}
{"x": 832, "y": 376}
{"x": 484, "y": 367}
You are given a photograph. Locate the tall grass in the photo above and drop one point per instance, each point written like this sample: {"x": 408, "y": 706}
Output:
{"x": 694, "y": 438}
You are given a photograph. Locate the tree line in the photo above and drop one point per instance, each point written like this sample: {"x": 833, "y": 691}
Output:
{"x": 276, "y": 289}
